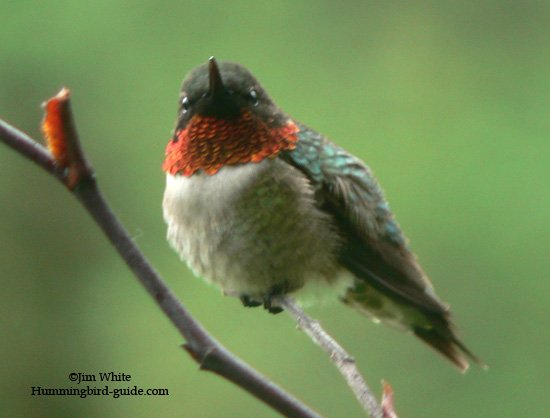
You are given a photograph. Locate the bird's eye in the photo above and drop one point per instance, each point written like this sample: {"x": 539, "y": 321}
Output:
{"x": 253, "y": 97}
{"x": 185, "y": 104}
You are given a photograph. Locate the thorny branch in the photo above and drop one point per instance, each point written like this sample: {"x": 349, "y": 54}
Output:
{"x": 65, "y": 160}
{"x": 341, "y": 359}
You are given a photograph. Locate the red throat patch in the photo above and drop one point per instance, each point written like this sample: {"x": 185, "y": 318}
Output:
{"x": 208, "y": 143}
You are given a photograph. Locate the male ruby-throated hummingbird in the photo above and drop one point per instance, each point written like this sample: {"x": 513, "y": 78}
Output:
{"x": 262, "y": 206}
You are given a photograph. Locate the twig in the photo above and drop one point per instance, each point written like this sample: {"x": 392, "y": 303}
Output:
{"x": 30, "y": 149}
{"x": 62, "y": 139}
{"x": 69, "y": 165}
{"x": 66, "y": 161}
{"x": 341, "y": 359}
{"x": 387, "y": 401}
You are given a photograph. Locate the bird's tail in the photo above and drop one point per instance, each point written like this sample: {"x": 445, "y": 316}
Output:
{"x": 433, "y": 326}
{"x": 448, "y": 345}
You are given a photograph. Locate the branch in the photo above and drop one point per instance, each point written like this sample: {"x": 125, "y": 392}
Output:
{"x": 341, "y": 359}
{"x": 67, "y": 163}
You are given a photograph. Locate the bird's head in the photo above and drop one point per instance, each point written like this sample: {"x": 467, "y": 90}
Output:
{"x": 225, "y": 117}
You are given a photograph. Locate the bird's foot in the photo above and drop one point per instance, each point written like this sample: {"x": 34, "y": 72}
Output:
{"x": 248, "y": 302}
{"x": 268, "y": 300}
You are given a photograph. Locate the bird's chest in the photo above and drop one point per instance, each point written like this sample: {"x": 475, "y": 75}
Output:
{"x": 249, "y": 227}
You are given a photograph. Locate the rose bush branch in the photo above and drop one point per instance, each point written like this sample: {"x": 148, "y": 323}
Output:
{"x": 66, "y": 162}
{"x": 341, "y": 359}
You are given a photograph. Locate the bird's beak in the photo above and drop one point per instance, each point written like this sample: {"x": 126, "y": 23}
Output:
{"x": 218, "y": 102}
{"x": 215, "y": 86}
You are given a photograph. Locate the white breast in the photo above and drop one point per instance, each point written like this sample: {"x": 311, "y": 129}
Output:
{"x": 250, "y": 227}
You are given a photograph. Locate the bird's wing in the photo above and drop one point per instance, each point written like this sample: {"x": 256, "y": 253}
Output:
{"x": 374, "y": 248}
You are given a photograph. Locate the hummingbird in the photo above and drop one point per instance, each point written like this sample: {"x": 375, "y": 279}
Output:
{"x": 263, "y": 206}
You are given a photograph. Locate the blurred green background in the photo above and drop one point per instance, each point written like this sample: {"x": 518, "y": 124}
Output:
{"x": 446, "y": 101}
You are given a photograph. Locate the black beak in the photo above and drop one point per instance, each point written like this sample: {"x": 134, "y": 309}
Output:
{"x": 218, "y": 101}
{"x": 215, "y": 86}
